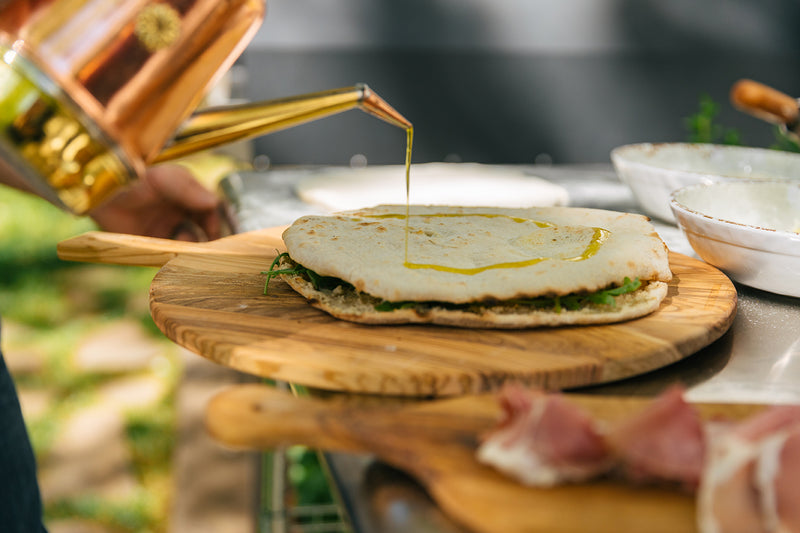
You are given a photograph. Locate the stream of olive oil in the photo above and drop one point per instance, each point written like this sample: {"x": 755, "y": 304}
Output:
{"x": 409, "y": 144}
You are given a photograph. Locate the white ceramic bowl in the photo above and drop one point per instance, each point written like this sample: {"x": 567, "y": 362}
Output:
{"x": 749, "y": 229}
{"x": 654, "y": 171}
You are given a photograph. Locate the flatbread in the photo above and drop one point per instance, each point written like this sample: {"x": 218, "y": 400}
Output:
{"x": 485, "y": 259}
{"x": 359, "y": 307}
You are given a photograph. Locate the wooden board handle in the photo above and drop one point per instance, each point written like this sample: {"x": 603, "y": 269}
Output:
{"x": 121, "y": 249}
{"x": 764, "y": 102}
{"x": 260, "y": 417}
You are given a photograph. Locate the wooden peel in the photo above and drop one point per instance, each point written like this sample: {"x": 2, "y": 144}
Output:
{"x": 216, "y": 306}
{"x": 436, "y": 442}
{"x": 135, "y": 250}
{"x": 209, "y": 298}
{"x": 764, "y": 102}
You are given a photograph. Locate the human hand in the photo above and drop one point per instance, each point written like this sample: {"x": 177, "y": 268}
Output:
{"x": 167, "y": 202}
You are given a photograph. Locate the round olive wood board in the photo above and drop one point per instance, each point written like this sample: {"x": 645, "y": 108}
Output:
{"x": 436, "y": 441}
{"x": 209, "y": 298}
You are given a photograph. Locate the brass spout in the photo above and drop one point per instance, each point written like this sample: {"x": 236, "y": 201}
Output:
{"x": 217, "y": 126}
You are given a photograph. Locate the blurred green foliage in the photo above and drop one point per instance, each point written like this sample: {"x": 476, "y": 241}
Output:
{"x": 784, "y": 142}
{"x": 53, "y": 305}
{"x": 132, "y": 515}
{"x": 30, "y": 229}
{"x": 702, "y": 127}
{"x": 307, "y": 476}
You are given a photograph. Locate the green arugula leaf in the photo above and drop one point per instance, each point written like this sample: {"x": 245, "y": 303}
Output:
{"x": 318, "y": 282}
{"x": 606, "y": 297}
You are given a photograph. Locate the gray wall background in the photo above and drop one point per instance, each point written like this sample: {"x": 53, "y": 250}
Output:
{"x": 517, "y": 81}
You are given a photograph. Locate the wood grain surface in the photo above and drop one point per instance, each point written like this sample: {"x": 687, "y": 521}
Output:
{"x": 210, "y": 299}
{"x": 436, "y": 441}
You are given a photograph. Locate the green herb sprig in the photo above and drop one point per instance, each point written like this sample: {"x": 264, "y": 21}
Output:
{"x": 318, "y": 282}
{"x": 703, "y": 127}
{"x": 272, "y": 273}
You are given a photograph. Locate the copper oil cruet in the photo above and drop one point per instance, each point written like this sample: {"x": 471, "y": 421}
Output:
{"x": 93, "y": 91}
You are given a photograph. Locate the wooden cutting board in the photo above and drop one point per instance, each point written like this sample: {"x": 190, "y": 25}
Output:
{"x": 210, "y": 299}
{"x": 436, "y": 442}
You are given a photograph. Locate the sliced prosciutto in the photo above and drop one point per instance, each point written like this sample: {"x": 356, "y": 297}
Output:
{"x": 543, "y": 440}
{"x": 665, "y": 442}
{"x": 746, "y": 474}
{"x": 751, "y": 480}
{"x": 727, "y": 500}
{"x": 786, "y": 483}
